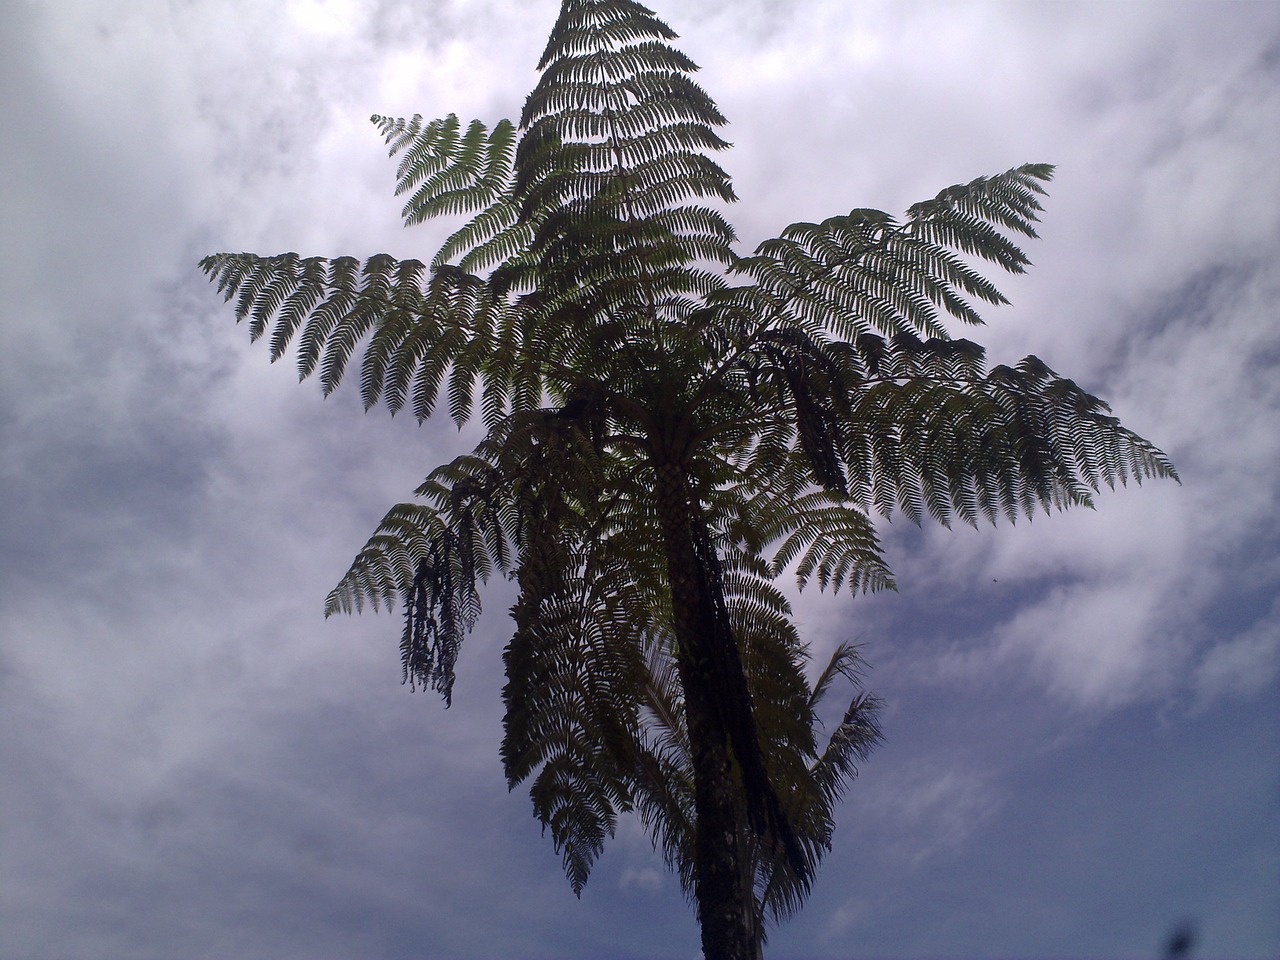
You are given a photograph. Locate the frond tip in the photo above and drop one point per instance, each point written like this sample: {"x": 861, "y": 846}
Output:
{"x": 447, "y": 170}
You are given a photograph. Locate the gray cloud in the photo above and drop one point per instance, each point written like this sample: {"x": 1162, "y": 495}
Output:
{"x": 196, "y": 764}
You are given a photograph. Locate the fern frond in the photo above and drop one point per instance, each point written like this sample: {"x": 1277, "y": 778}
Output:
{"x": 1009, "y": 442}
{"x": 590, "y": 25}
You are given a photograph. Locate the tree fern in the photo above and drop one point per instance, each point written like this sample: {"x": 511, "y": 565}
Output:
{"x": 671, "y": 426}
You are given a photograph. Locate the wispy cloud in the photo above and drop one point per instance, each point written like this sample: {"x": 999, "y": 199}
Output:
{"x": 197, "y": 764}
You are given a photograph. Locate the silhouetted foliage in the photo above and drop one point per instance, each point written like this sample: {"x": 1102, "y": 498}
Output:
{"x": 672, "y": 425}
{"x": 1181, "y": 941}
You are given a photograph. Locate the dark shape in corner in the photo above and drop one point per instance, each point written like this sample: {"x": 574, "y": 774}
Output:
{"x": 1181, "y": 940}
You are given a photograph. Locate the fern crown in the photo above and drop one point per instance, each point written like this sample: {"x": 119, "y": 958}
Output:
{"x": 595, "y": 306}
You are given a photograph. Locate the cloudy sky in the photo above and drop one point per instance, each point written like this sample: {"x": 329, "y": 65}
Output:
{"x": 1083, "y": 725}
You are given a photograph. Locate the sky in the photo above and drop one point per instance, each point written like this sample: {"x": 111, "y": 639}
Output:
{"x": 1082, "y": 723}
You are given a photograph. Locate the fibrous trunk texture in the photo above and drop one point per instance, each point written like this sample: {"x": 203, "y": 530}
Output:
{"x": 725, "y": 907}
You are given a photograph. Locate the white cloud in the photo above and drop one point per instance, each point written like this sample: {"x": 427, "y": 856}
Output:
{"x": 1096, "y": 645}
{"x": 197, "y": 750}
{"x": 1244, "y": 665}
{"x": 331, "y": 18}
{"x": 935, "y": 806}
{"x": 645, "y": 879}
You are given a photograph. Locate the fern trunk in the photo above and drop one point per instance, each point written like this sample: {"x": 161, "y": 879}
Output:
{"x": 725, "y": 905}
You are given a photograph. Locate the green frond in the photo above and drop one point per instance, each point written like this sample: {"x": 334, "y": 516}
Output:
{"x": 384, "y": 569}
{"x": 451, "y": 172}
{"x": 589, "y": 25}
{"x": 572, "y": 681}
{"x": 412, "y": 332}
{"x": 947, "y": 441}
{"x": 834, "y": 542}
{"x": 1010, "y": 200}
